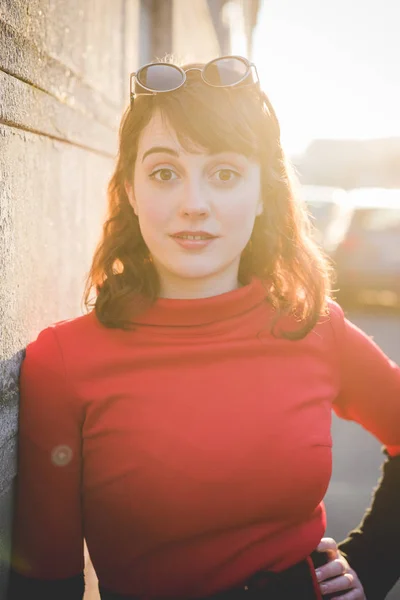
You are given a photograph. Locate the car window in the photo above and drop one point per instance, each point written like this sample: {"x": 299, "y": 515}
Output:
{"x": 377, "y": 219}
{"x": 321, "y": 211}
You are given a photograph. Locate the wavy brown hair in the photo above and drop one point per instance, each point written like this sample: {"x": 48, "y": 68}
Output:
{"x": 281, "y": 250}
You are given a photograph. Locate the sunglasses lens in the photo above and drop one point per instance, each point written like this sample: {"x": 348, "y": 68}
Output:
{"x": 160, "y": 78}
{"x": 225, "y": 71}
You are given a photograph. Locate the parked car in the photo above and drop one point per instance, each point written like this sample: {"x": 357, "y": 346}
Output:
{"x": 368, "y": 259}
{"x": 330, "y": 212}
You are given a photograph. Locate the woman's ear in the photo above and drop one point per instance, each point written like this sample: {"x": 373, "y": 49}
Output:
{"x": 131, "y": 195}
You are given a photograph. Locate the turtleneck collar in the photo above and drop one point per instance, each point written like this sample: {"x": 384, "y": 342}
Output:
{"x": 202, "y": 311}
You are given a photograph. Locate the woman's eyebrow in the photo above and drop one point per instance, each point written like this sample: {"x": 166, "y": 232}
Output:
{"x": 172, "y": 152}
{"x": 159, "y": 150}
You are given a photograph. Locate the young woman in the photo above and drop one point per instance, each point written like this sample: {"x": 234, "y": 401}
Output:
{"x": 182, "y": 427}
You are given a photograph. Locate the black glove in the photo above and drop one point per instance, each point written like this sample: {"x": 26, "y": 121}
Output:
{"x": 373, "y": 548}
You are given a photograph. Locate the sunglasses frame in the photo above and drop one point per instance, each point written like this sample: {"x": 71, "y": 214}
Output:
{"x": 152, "y": 92}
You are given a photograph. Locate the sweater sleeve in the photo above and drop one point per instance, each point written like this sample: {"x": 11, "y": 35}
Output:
{"x": 369, "y": 392}
{"x": 370, "y": 395}
{"x": 372, "y": 548}
{"x": 47, "y": 545}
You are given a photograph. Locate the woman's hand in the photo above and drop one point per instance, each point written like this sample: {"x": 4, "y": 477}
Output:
{"x": 345, "y": 579}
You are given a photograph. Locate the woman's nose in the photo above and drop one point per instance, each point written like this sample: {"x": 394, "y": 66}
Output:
{"x": 194, "y": 201}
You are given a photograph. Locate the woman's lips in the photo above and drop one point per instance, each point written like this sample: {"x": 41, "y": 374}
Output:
{"x": 188, "y": 244}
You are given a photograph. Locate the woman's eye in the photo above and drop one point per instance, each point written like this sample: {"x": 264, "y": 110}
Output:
{"x": 226, "y": 175}
{"x": 163, "y": 175}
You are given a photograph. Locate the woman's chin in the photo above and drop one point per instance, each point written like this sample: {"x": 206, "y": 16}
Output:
{"x": 194, "y": 273}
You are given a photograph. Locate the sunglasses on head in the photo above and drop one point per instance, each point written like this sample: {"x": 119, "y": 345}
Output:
{"x": 222, "y": 72}
{"x": 226, "y": 71}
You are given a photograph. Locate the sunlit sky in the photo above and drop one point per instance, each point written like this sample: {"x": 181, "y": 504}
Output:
{"x": 330, "y": 67}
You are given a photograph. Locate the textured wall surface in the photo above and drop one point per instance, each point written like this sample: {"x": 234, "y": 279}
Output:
{"x": 64, "y": 68}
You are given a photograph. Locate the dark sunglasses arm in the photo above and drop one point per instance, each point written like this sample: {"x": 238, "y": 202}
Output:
{"x": 132, "y": 75}
{"x": 132, "y": 93}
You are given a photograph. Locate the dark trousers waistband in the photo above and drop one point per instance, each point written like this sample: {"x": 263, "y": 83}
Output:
{"x": 295, "y": 583}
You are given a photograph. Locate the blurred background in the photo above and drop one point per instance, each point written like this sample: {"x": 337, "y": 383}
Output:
{"x": 331, "y": 71}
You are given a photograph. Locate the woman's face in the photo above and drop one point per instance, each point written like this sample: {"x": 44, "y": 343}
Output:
{"x": 177, "y": 195}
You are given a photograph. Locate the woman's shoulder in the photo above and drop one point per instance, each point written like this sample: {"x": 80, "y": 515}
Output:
{"x": 334, "y": 311}
{"x": 61, "y": 337}
{"x": 333, "y": 320}
{"x": 68, "y": 349}
{"x": 73, "y": 327}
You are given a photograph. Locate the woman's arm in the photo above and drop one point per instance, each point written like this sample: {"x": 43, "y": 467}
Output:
{"x": 47, "y": 547}
{"x": 372, "y": 549}
{"x": 370, "y": 395}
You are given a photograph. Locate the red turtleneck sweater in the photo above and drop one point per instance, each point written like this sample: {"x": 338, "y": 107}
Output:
{"x": 192, "y": 451}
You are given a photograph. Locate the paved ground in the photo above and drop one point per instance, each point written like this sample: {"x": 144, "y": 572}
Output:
{"x": 357, "y": 455}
